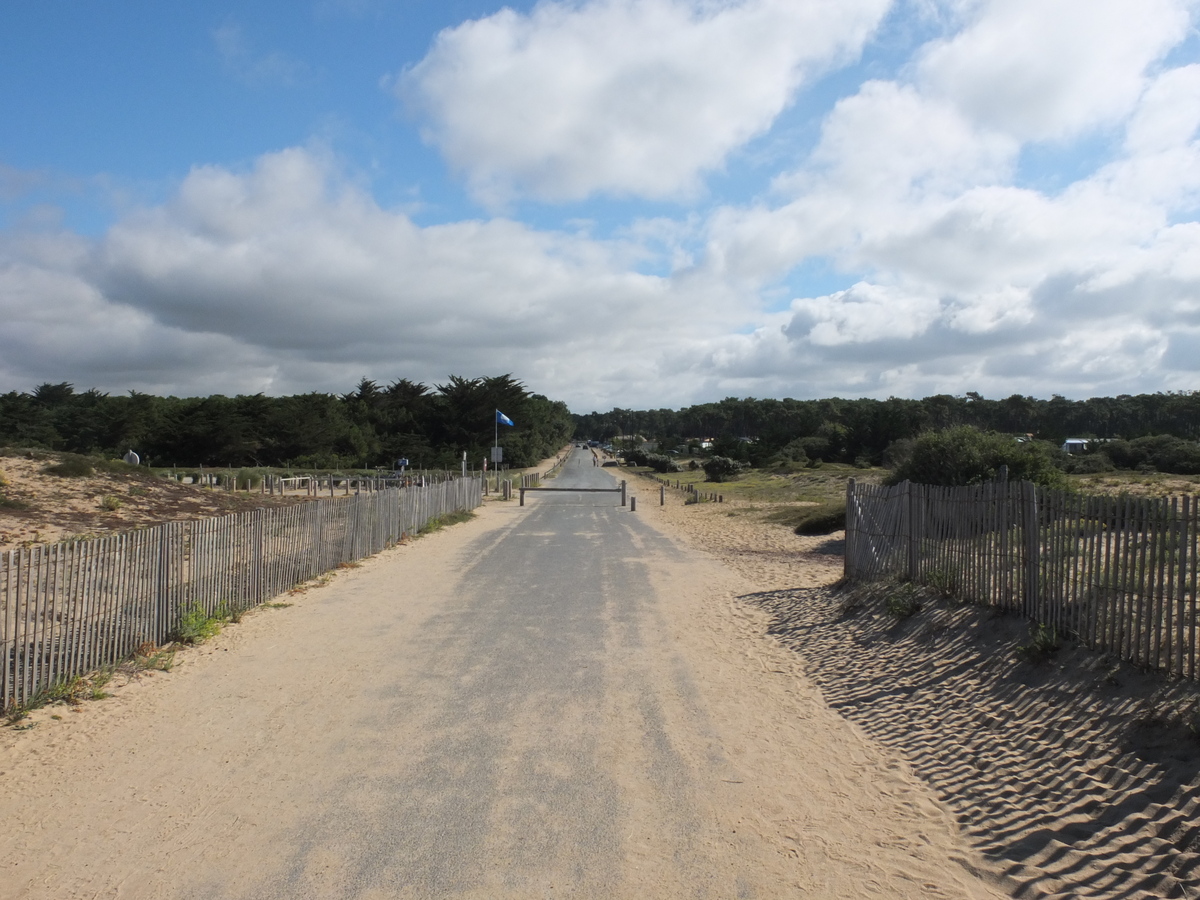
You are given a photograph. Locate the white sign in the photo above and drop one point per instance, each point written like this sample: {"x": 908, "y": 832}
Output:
{"x": 497, "y": 454}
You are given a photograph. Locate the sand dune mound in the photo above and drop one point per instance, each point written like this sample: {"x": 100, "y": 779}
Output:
{"x": 1076, "y": 776}
{"x": 38, "y": 506}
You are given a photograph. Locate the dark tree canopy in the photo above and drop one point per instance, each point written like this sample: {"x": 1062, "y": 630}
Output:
{"x": 862, "y": 431}
{"x": 369, "y": 426}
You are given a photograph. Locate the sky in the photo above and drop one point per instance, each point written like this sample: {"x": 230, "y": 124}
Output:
{"x": 633, "y": 203}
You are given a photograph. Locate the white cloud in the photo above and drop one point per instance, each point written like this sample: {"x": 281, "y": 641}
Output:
{"x": 1169, "y": 113}
{"x": 966, "y": 280}
{"x": 286, "y": 277}
{"x": 888, "y": 141}
{"x": 1051, "y": 69}
{"x": 960, "y": 271}
{"x": 864, "y": 313}
{"x": 629, "y": 97}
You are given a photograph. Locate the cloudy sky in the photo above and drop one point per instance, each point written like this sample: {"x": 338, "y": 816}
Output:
{"x": 633, "y": 203}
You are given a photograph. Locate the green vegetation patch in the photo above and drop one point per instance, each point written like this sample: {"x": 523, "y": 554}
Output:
{"x": 71, "y": 467}
{"x": 824, "y": 485}
{"x": 196, "y": 626}
{"x": 440, "y": 522}
{"x": 1043, "y": 643}
{"x": 823, "y": 519}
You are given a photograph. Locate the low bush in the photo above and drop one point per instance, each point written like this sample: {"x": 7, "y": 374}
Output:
{"x": 824, "y": 519}
{"x": 662, "y": 463}
{"x": 1043, "y": 643}
{"x": 790, "y": 456}
{"x": 71, "y": 467}
{"x": 196, "y": 626}
{"x": 721, "y": 468}
{"x": 1089, "y": 464}
{"x": 903, "y": 602}
{"x": 965, "y": 455}
{"x": 1157, "y": 452}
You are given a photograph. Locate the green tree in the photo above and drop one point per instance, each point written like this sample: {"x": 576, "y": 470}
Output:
{"x": 965, "y": 455}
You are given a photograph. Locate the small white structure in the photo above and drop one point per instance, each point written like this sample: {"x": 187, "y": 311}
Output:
{"x": 1076, "y": 445}
{"x": 132, "y": 458}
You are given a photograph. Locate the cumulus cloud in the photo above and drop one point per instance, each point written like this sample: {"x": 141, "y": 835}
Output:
{"x": 972, "y": 278}
{"x": 288, "y": 277}
{"x": 1050, "y": 69}
{"x": 957, "y": 271}
{"x": 865, "y": 312}
{"x": 627, "y": 97}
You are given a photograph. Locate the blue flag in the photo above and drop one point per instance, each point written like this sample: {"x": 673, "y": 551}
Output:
{"x": 502, "y": 419}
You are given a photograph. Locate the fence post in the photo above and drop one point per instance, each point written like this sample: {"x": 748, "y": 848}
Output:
{"x": 911, "y": 508}
{"x": 522, "y": 495}
{"x": 633, "y": 504}
{"x": 1032, "y": 548}
{"x": 662, "y": 495}
{"x": 260, "y": 556}
{"x": 623, "y": 493}
{"x": 165, "y": 621}
{"x": 851, "y": 528}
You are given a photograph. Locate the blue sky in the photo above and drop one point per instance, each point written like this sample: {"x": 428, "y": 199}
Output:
{"x": 621, "y": 202}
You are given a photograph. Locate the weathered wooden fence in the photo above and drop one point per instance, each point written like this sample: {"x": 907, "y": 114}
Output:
{"x": 1118, "y": 573}
{"x": 68, "y": 609}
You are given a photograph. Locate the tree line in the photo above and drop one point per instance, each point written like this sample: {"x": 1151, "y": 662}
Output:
{"x": 369, "y": 426}
{"x": 1145, "y": 429}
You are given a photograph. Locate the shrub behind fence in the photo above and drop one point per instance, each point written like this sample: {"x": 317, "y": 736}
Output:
{"x": 70, "y": 608}
{"x": 1117, "y": 573}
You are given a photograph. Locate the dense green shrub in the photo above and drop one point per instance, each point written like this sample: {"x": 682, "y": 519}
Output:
{"x": 966, "y": 455}
{"x": 636, "y": 457}
{"x": 790, "y": 454}
{"x": 1160, "y": 452}
{"x": 659, "y": 462}
{"x": 662, "y": 463}
{"x": 1088, "y": 463}
{"x": 721, "y": 468}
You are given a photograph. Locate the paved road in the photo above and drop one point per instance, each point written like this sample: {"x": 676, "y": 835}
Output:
{"x": 534, "y": 704}
{"x": 526, "y": 706}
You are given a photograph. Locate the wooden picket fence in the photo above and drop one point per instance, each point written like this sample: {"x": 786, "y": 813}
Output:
{"x": 1117, "y": 573}
{"x": 75, "y": 607}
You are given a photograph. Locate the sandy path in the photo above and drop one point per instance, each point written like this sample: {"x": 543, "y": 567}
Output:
{"x": 447, "y": 720}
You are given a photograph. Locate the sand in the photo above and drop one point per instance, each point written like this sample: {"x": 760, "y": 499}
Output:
{"x": 98, "y": 803}
{"x": 1074, "y": 777}
{"x": 57, "y": 508}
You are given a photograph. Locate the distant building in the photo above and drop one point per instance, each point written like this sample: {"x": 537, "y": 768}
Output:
{"x": 1080, "y": 445}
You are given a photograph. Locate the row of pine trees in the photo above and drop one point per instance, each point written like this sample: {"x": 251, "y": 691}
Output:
{"x": 370, "y": 426}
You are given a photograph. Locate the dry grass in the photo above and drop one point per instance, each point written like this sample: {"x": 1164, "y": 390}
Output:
{"x": 826, "y": 484}
{"x": 1136, "y": 484}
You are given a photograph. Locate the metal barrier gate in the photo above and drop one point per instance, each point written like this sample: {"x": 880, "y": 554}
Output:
{"x": 622, "y": 490}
